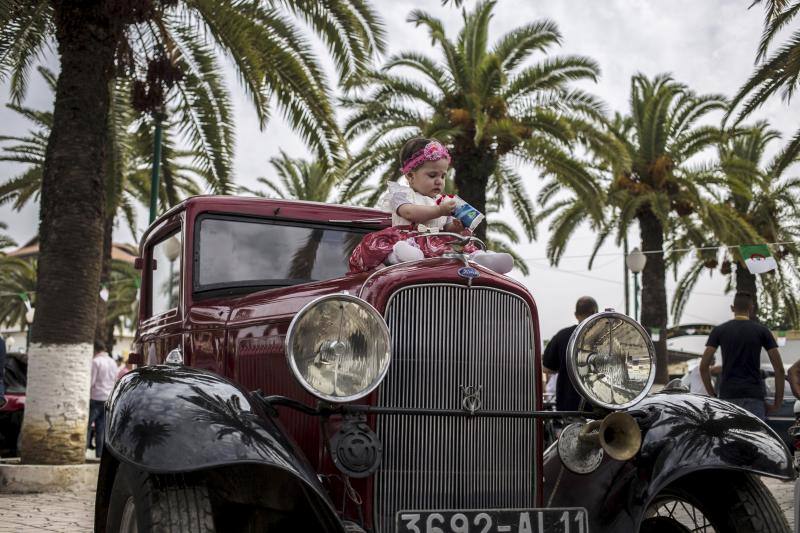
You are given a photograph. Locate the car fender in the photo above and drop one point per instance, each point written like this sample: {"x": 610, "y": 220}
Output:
{"x": 681, "y": 434}
{"x": 170, "y": 419}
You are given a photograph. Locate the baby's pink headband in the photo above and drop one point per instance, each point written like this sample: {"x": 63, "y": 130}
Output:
{"x": 433, "y": 151}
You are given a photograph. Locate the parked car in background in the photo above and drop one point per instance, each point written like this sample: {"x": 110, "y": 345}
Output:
{"x": 276, "y": 392}
{"x": 11, "y": 413}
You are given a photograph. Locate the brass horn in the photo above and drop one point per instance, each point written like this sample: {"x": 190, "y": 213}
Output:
{"x": 618, "y": 434}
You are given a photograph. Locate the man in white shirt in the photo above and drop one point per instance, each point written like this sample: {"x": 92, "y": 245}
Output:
{"x": 104, "y": 374}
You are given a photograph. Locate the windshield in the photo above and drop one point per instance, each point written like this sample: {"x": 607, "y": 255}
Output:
{"x": 236, "y": 252}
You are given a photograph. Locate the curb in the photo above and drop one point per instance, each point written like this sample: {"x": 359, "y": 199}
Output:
{"x": 21, "y": 479}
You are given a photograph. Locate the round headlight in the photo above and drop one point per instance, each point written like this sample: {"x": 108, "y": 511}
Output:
{"x": 611, "y": 360}
{"x": 338, "y": 348}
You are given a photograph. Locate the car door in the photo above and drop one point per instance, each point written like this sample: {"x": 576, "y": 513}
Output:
{"x": 161, "y": 327}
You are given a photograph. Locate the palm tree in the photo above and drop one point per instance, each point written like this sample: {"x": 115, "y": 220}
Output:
{"x": 300, "y": 179}
{"x": 159, "y": 43}
{"x": 128, "y": 169}
{"x": 130, "y": 160}
{"x": 17, "y": 278}
{"x": 489, "y": 104}
{"x": 777, "y": 72}
{"x": 5, "y": 240}
{"x": 651, "y": 182}
{"x": 767, "y": 202}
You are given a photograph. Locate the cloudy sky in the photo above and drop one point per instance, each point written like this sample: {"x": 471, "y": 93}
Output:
{"x": 707, "y": 44}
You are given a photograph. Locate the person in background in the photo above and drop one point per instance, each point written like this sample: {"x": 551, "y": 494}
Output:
{"x": 125, "y": 367}
{"x": 549, "y": 386}
{"x": 2, "y": 372}
{"x": 741, "y": 340}
{"x": 555, "y": 357}
{"x": 696, "y": 385}
{"x": 104, "y": 375}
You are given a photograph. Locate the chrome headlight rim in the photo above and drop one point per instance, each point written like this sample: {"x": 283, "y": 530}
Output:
{"x": 572, "y": 369}
{"x": 290, "y": 332}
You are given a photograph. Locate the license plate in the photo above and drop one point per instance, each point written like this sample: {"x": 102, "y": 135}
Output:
{"x": 572, "y": 520}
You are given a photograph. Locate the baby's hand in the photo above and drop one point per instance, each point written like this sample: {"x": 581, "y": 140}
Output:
{"x": 454, "y": 226}
{"x": 447, "y": 206}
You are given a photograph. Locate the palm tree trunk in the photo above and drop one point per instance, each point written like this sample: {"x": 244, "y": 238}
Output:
{"x": 654, "y": 293}
{"x": 746, "y": 282}
{"x": 71, "y": 232}
{"x": 472, "y": 177}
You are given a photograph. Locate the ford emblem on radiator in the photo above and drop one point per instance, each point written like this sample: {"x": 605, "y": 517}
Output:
{"x": 471, "y": 398}
{"x": 468, "y": 272}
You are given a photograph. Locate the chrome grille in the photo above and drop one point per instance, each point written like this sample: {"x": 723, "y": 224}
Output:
{"x": 445, "y": 337}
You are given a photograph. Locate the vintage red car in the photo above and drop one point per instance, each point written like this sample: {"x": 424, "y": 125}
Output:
{"x": 276, "y": 392}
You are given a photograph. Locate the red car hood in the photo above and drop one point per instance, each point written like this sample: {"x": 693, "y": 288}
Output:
{"x": 375, "y": 287}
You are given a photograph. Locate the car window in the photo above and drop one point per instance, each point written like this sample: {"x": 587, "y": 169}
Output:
{"x": 166, "y": 275}
{"x": 233, "y": 252}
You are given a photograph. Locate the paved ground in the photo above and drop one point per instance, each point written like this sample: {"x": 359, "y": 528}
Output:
{"x": 69, "y": 512}
{"x": 784, "y": 493}
{"x": 65, "y": 512}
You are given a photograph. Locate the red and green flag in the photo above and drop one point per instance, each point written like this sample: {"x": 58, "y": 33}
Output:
{"x": 758, "y": 258}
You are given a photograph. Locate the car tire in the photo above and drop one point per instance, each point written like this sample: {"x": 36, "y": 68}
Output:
{"x": 142, "y": 502}
{"x": 733, "y": 502}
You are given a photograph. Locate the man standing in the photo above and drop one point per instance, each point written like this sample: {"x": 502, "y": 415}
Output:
{"x": 104, "y": 374}
{"x": 555, "y": 357}
{"x": 741, "y": 340}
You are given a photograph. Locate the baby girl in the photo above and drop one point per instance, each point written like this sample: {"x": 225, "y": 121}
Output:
{"x": 424, "y": 164}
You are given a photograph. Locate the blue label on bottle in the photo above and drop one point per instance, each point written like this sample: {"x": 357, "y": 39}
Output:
{"x": 466, "y": 214}
{"x": 468, "y": 272}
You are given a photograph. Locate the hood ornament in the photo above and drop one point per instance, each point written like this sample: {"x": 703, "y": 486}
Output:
{"x": 471, "y": 398}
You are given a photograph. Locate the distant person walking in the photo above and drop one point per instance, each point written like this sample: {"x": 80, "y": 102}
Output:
{"x": 555, "y": 357}
{"x": 741, "y": 340}
{"x": 104, "y": 374}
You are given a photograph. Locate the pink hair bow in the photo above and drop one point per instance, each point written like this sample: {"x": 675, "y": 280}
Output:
{"x": 433, "y": 151}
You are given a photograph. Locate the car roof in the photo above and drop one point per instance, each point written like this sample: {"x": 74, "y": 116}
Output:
{"x": 300, "y": 210}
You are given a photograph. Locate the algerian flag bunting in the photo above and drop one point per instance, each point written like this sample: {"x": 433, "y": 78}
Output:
{"x": 758, "y": 258}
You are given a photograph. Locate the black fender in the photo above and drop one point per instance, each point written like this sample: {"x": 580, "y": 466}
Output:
{"x": 681, "y": 434}
{"x": 170, "y": 419}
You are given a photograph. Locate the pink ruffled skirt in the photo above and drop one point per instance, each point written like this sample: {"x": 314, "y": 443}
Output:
{"x": 374, "y": 248}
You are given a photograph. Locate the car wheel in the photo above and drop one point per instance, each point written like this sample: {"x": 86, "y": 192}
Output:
{"x": 718, "y": 502}
{"x": 142, "y": 502}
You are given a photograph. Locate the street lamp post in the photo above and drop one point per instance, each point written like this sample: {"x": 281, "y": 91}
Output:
{"x": 625, "y": 276}
{"x": 636, "y": 261}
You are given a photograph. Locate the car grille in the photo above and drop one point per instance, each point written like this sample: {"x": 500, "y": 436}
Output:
{"x": 445, "y": 337}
